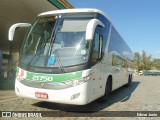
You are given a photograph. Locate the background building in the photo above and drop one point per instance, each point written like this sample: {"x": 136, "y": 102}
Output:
{"x": 17, "y": 11}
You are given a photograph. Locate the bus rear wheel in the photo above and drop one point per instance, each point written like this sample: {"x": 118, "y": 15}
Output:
{"x": 129, "y": 81}
{"x": 107, "y": 90}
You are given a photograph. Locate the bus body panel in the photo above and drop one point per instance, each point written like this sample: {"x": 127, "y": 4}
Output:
{"x": 113, "y": 63}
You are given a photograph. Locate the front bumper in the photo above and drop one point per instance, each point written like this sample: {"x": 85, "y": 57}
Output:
{"x": 74, "y": 95}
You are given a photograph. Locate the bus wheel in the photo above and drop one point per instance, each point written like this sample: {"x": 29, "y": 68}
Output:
{"x": 129, "y": 81}
{"x": 107, "y": 90}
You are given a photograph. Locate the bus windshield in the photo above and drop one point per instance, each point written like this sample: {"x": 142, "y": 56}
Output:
{"x": 53, "y": 42}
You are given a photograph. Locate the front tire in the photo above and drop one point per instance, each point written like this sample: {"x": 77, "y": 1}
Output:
{"x": 108, "y": 89}
{"x": 129, "y": 81}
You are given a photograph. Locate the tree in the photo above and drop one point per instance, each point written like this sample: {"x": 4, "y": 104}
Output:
{"x": 142, "y": 61}
{"x": 156, "y": 64}
{"x": 146, "y": 61}
{"x": 136, "y": 63}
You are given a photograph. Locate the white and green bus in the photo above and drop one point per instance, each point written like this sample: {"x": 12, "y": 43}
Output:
{"x": 71, "y": 56}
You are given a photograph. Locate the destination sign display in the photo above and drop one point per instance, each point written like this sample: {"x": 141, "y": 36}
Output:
{"x": 48, "y": 19}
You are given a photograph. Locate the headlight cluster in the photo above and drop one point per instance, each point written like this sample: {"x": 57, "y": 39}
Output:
{"x": 21, "y": 74}
{"x": 77, "y": 81}
{"x": 19, "y": 78}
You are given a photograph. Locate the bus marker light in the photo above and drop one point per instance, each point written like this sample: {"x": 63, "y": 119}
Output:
{"x": 87, "y": 78}
{"x": 75, "y": 96}
{"x": 22, "y": 73}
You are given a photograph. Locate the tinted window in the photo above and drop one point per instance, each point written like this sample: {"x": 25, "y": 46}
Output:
{"x": 107, "y": 24}
{"x": 95, "y": 47}
{"x": 118, "y": 45}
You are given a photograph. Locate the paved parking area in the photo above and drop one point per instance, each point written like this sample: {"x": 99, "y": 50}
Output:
{"x": 142, "y": 95}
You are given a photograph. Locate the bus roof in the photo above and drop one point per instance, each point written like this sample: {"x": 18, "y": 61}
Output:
{"x": 77, "y": 10}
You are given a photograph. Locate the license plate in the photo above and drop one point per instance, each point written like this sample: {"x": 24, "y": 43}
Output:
{"x": 41, "y": 95}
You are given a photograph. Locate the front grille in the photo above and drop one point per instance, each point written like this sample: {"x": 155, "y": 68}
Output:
{"x": 45, "y": 85}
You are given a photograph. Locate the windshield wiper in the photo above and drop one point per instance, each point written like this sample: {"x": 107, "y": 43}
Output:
{"x": 36, "y": 56}
{"x": 59, "y": 62}
{"x": 51, "y": 46}
{"x": 30, "y": 62}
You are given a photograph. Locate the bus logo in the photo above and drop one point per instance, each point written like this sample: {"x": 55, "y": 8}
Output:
{"x": 42, "y": 85}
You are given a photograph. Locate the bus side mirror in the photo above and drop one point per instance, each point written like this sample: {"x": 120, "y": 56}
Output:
{"x": 13, "y": 28}
{"x": 91, "y": 26}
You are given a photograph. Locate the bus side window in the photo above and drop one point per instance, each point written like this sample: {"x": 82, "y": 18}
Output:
{"x": 97, "y": 49}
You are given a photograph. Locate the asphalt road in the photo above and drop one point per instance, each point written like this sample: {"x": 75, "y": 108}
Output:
{"x": 143, "y": 95}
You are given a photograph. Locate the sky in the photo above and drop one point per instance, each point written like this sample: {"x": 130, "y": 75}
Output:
{"x": 138, "y": 21}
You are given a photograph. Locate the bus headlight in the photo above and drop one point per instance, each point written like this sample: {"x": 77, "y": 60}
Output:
{"x": 77, "y": 81}
{"x": 19, "y": 78}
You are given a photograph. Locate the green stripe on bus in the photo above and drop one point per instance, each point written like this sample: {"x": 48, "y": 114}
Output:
{"x": 53, "y": 77}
